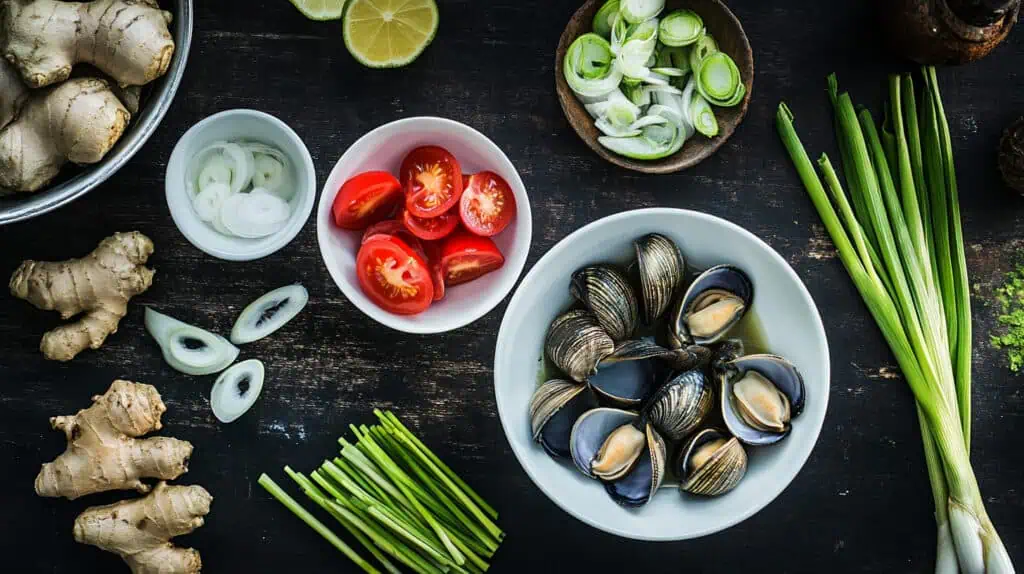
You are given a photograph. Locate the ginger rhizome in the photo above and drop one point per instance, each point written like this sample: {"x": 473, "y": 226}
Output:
{"x": 128, "y": 40}
{"x": 104, "y": 449}
{"x": 139, "y": 530}
{"x": 98, "y": 285}
{"x": 41, "y": 131}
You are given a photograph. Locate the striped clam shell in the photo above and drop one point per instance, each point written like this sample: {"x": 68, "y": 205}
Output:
{"x": 661, "y": 266}
{"x": 681, "y": 404}
{"x": 722, "y": 471}
{"x": 607, "y": 293}
{"x": 576, "y": 343}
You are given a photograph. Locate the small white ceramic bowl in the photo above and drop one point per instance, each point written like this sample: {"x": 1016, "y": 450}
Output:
{"x": 232, "y": 125}
{"x": 383, "y": 149}
{"x": 789, "y": 321}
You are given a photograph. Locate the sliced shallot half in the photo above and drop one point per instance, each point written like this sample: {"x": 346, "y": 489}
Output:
{"x": 236, "y": 390}
{"x": 188, "y": 348}
{"x": 269, "y": 313}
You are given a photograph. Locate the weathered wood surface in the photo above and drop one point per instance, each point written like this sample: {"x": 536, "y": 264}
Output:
{"x": 861, "y": 504}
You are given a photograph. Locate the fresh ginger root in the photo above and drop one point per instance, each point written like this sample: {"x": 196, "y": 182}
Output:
{"x": 104, "y": 451}
{"x": 99, "y": 284}
{"x": 126, "y": 39}
{"x": 78, "y": 121}
{"x": 139, "y": 531}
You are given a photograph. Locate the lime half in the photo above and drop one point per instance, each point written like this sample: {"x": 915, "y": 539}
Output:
{"x": 320, "y": 9}
{"x": 389, "y": 33}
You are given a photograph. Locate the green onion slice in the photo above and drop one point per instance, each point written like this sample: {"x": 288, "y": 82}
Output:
{"x": 718, "y": 80}
{"x": 702, "y": 116}
{"x": 605, "y": 18}
{"x": 701, "y": 49}
{"x": 681, "y": 28}
{"x": 637, "y": 11}
{"x": 590, "y": 68}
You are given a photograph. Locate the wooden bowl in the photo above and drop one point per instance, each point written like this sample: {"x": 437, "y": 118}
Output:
{"x": 727, "y": 31}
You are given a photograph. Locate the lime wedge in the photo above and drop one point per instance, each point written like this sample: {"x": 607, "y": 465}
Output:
{"x": 320, "y": 9}
{"x": 389, "y": 33}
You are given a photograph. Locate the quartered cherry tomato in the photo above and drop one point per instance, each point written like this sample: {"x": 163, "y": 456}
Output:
{"x": 432, "y": 228}
{"x": 365, "y": 199}
{"x": 394, "y": 276}
{"x": 433, "y": 251}
{"x": 432, "y": 180}
{"x": 487, "y": 205}
{"x": 465, "y": 257}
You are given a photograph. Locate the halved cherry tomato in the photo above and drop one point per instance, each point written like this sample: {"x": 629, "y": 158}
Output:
{"x": 386, "y": 227}
{"x": 365, "y": 199}
{"x": 432, "y": 180}
{"x": 433, "y": 250}
{"x": 487, "y": 205}
{"x": 433, "y": 228}
{"x": 394, "y": 276}
{"x": 465, "y": 257}
{"x": 465, "y": 181}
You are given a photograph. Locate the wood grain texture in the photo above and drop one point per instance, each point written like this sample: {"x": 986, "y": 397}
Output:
{"x": 861, "y": 503}
{"x": 728, "y": 32}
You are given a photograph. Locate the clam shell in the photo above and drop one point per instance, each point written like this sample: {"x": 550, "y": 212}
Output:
{"x": 554, "y": 409}
{"x": 639, "y": 486}
{"x": 681, "y": 404}
{"x": 783, "y": 374}
{"x": 726, "y": 278}
{"x": 606, "y": 292}
{"x": 590, "y": 432}
{"x": 661, "y": 267}
{"x": 576, "y": 343}
{"x": 631, "y": 373}
{"x": 722, "y": 471}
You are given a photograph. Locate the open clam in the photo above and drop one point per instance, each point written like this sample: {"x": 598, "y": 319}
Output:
{"x": 715, "y": 302}
{"x": 630, "y": 374}
{"x": 680, "y": 405}
{"x": 661, "y": 267}
{"x": 606, "y": 292}
{"x": 554, "y": 408}
{"x": 711, "y": 463}
{"x": 760, "y": 395}
{"x": 621, "y": 450}
{"x": 576, "y": 343}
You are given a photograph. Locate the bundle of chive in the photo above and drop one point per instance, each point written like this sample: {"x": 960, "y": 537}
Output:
{"x": 399, "y": 501}
{"x": 902, "y": 244}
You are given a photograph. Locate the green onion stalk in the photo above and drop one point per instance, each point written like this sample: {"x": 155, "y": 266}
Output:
{"x": 899, "y": 236}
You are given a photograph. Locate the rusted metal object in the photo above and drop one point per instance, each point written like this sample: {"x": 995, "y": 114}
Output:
{"x": 947, "y": 31}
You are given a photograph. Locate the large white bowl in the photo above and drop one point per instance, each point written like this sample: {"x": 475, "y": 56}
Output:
{"x": 383, "y": 149}
{"x": 790, "y": 323}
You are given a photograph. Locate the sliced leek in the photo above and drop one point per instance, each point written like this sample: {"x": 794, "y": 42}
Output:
{"x": 590, "y": 68}
{"x": 637, "y": 11}
{"x": 605, "y": 18}
{"x": 640, "y": 42}
{"x": 702, "y": 116}
{"x": 681, "y": 28}
{"x": 718, "y": 80}
{"x": 702, "y": 48}
{"x": 655, "y": 142}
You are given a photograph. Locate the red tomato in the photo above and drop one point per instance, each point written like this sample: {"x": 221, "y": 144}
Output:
{"x": 394, "y": 276}
{"x": 488, "y": 204}
{"x": 465, "y": 257}
{"x": 386, "y": 227}
{"x": 433, "y": 228}
{"x": 432, "y": 180}
{"x": 465, "y": 181}
{"x": 366, "y": 198}
{"x": 433, "y": 250}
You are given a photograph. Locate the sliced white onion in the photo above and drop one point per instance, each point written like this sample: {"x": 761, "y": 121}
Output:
{"x": 208, "y": 202}
{"x": 213, "y": 354}
{"x": 269, "y": 173}
{"x": 236, "y": 390}
{"x": 214, "y": 170}
{"x": 231, "y": 155}
{"x": 269, "y": 313}
{"x": 254, "y": 215}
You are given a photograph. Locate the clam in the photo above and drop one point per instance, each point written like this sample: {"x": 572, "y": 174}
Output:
{"x": 711, "y": 463}
{"x": 661, "y": 267}
{"x": 576, "y": 343}
{"x": 606, "y": 292}
{"x": 630, "y": 374}
{"x": 726, "y": 352}
{"x": 715, "y": 302}
{"x": 554, "y": 408}
{"x": 679, "y": 406}
{"x": 620, "y": 449}
{"x": 760, "y": 395}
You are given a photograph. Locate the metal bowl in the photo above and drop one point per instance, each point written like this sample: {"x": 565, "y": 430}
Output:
{"x": 75, "y": 182}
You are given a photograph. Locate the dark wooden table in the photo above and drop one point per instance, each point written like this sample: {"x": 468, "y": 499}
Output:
{"x": 861, "y": 503}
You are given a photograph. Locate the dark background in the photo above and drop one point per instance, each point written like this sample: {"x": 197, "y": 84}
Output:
{"x": 861, "y": 503}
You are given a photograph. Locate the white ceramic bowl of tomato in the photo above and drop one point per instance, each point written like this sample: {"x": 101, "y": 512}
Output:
{"x": 454, "y": 219}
